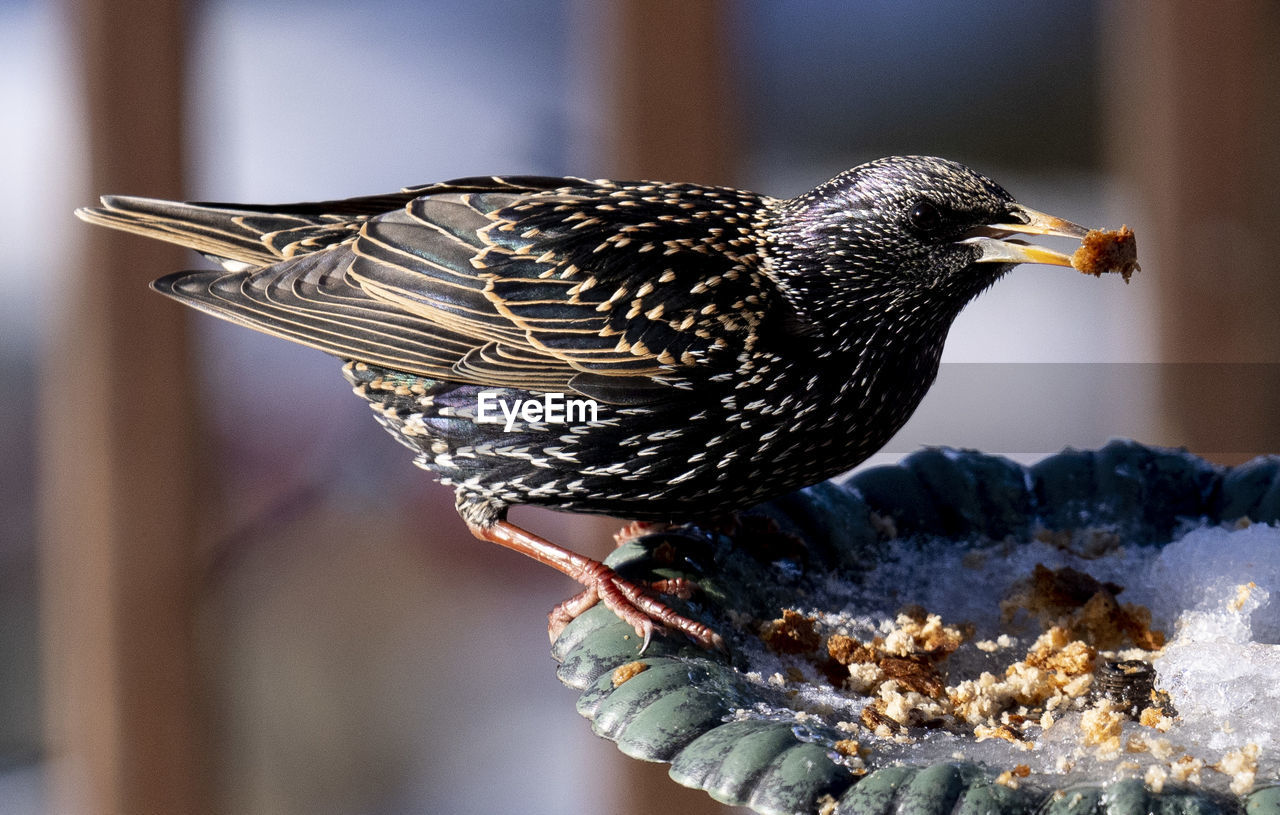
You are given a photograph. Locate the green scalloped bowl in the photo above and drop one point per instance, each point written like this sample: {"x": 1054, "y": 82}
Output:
{"x": 681, "y": 708}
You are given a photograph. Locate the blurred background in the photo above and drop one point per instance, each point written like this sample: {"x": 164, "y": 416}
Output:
{"x": 224, "y": 589}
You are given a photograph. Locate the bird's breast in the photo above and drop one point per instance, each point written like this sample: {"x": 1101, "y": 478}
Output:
{"x": 774, "y": 424}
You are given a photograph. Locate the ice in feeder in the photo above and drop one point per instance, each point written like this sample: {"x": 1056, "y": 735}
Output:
{"x": 1016, "y": 689}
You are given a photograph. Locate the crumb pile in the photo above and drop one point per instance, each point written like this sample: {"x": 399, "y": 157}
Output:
{"x": 1045, "y": 673}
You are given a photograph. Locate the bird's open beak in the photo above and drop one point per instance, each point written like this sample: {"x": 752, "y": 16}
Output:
{"x": 991, "y": 239}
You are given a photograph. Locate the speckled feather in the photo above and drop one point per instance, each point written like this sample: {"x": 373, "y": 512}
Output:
{"x": 739, "y": 346}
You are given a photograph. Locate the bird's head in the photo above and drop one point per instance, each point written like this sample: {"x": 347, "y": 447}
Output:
{"x": 902, "y": 233}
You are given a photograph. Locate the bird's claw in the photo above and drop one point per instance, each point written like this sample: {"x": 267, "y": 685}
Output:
{"x": 633, "y": 603}
{"x": 635, "y": 530}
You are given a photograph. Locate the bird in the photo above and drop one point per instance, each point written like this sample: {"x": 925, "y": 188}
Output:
{"x": 646, "y": 350}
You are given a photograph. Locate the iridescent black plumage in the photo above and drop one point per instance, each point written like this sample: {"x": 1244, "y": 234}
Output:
{"x": 738, "y": 346}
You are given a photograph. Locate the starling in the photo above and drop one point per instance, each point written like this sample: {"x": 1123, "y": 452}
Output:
{"x": 653, "y": 351}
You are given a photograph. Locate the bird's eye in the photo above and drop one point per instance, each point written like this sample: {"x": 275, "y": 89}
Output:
{"x": 925, "y": 217}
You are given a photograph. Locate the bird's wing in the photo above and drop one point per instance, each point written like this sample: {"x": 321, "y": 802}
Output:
{"x": 308, "y": 300}
{"x": 613, "y": 290}
{"x": 243, "y": 236}
{"x": 603, "y": 282}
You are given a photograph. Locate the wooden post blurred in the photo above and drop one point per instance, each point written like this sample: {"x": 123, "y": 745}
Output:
{"x": 669, "y": 112}
{"x": 1194, "y": 124}
{"x": 122, "y": 687}
{"x": 669, "y": 95}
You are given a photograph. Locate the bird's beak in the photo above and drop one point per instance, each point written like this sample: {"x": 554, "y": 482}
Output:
{"x": 995, "y": 249}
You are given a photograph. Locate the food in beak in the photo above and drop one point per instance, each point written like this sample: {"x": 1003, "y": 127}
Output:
{"x": 1103, "y": 251}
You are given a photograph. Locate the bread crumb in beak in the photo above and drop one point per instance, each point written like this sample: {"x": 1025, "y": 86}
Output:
{"x": 1104, "y": 251}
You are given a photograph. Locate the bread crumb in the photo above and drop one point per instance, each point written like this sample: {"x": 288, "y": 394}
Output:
{"x": 907, "y": 707}
{"x": 1160, "y": 748}
{"x": 991, "y": 646}
{"x": 1085, "y": 607}
{"x": 1088, "y": 543}
{"x": 793, "y": 633}
{"x": 847, "y": 651}
{"x": 1186, "y": 770}
{"x": 624, "y": 672}
{"x": 1104, "y": 251}
{"x": 901, "y": 668}
{"x": 915, "y": 675}
{"x": 984, "y": 732}
{"x": 1155, "y": 718}
{"x": 1055, "y": 670}
{"x": 1101, "y": 725}
{"x": 1007, "y": 779}
{"x": 1155, "y": 777}
{"x": 864, "y": 678}
{"x": 1242, "y": 766}
{"x": 1047, "y": 720}
{"x": 847, "y": 747}
{"x": 875, "y": 720}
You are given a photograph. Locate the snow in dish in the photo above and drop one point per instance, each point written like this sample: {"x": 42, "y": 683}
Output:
{"x": 944, "y": 652}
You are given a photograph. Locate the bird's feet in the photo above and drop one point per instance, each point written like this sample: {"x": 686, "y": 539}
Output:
{"x": 634, "y": 604}
{"x": 630, "y": 601}
{"x": 634, "y": 530}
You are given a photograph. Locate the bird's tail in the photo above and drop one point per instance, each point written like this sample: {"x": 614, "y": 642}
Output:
{"x": 236, "y": 235}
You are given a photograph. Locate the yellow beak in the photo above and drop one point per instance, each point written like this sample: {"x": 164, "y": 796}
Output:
{"x": 990, "y": 239}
